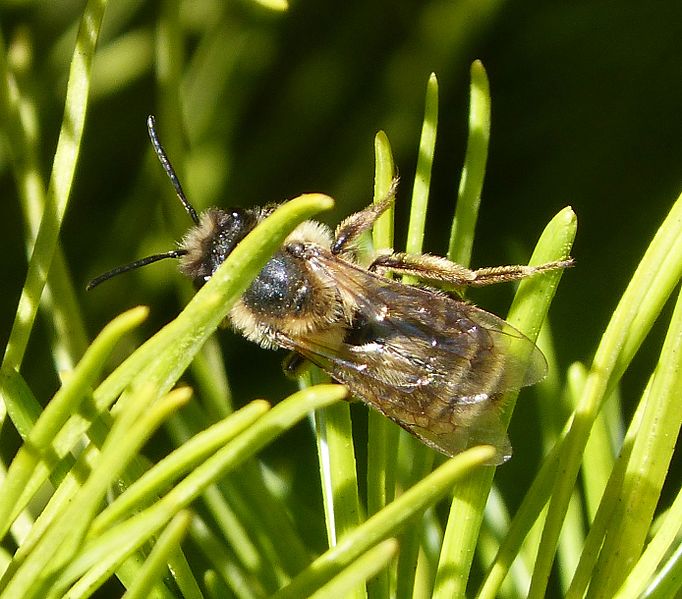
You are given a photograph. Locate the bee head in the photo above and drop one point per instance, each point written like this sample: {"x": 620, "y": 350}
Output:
{"x": 206, "y": 246}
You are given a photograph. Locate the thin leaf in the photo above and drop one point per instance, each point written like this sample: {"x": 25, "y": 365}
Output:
{"x": 361, "y": 570}
{"x": 38, "y": 447}
{"x": 155, "y": 566}
{"x": 102, "y": 555}
{"x": 386, "y": 523}
{"x": 647, "y": 468}
{"x": 473, "y": 172}
{"x": 527, "y": 313}
{"x": 655, "y": 278}
{"x": 63, "y": 168}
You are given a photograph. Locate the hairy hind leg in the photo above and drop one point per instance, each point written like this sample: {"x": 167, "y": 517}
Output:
{"x": 435, "y": 268}
{"x": 354, "y": 225}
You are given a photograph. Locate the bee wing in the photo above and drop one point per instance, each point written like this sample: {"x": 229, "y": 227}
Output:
{"x": 435, "y": 365}
{"x": 463, "y": 348}
{"x": 442, "y": 422}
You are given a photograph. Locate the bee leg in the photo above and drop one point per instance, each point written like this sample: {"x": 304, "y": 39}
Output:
{"x": 354, "y": 225}
{"x": 435, "y": 268}
{"x": 502, "y": 274}
{"x": 295, "y": 365}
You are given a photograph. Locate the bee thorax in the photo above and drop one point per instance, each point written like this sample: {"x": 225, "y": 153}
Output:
{"x": 286, "y": 297}
{"x": 282, "y": 288}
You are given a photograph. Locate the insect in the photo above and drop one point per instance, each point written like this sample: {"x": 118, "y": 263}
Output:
{"x": 434, "y": 364}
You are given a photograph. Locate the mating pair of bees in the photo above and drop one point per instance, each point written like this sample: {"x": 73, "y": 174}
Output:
{"x": 432, "y": 363}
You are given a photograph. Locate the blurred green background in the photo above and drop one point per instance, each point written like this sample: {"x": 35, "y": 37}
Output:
{"x": 586, "y": 111}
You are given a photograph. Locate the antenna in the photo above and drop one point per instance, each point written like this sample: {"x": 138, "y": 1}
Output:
{"x": 168, "y": 167}
{"x": 134, "y": 265}
{"x": 170, "y": 171}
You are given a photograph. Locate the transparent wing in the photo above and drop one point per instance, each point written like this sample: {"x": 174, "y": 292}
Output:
{"x": 435, "y": 365}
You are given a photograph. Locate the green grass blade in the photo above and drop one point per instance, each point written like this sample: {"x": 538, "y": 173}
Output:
{"x": 57, "y": 547}
{"x": 384, "y": 171}
{"x": 63, "y": 168}
{"x": 607, "y": 506}
{"x": 599, "y": 457}
{"x": 338, "y": 471}
{"x": 364, "y": 568}
{"x": 655, "y": 278}
{"x": 108, "y": 550}
{"x": 647, "y": 467}
{"x": 385, "y": 523}
{"x": 155, "y": 566}
{"x": 182, "y": 573}
{"x": 178, "y": 463}
{"x": 639, "y": 580}
{"x": 527, "y": 313}
{"x": 473, "y": 172}
{"x": 382, "y": 434}
{"x": 58, "y": 301}
{"x": 38, "y": 446}
{"x": 422, "y": 179}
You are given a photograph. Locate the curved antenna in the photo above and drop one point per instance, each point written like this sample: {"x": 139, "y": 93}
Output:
{"x": 168, "y": 167}
{"x": 133, "y": 265}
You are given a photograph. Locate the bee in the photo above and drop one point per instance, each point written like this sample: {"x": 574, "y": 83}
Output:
{"x": 429, "y": 361}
